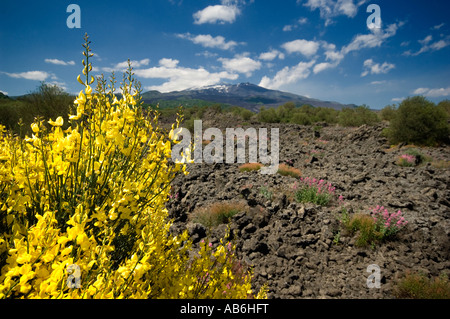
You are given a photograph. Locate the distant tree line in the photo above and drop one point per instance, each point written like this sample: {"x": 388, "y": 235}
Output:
{"x": 48, "y": 101}
{"x": 415, "y": 120}
{"x": 307, "y": 115}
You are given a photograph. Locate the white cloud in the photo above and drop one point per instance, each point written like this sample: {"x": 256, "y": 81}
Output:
{"x": 426, "y": 40}
{"x": 31, "y": 75}
{"x": 241, "y": 64}
{"x": 271, "y": 55}
{"x": 59, "y": 62}
{"x": 181, "y": 78}
{"x": 378, "y": 82}
{"x": 397, "y": 99}
{"x": 4, "y": 92}
{"x": 122, "y": 66}
{"x": 59, "y": 84}
{"x": 432, "y": 92}
{"x": 134, "y": 64}
{"x": 288, "y": 75}
{"x": 217, "y": 14}
{"x": 437, "y": 27}
{"x": 305, "y": 47}
{"x": 428, "y": 46}
{"x": 168, "y": 63}
{"x": 295, "y": 25}
{"x": 207, "y": 54}
{"x": 370, "y": 67}
{"x": 323, "y": 66}
{"x": 439, "y": 45}
{"x": 208, "y": 41}
{"x": 371, "y": 40}
{"x": 332, "y": 8}
{"x": 333, "y": 56}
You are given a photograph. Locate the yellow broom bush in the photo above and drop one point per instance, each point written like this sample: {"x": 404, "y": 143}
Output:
{"x": 82, "y": 210}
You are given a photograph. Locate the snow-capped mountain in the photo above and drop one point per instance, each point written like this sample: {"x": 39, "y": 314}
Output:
{"x": 247, "y": 95}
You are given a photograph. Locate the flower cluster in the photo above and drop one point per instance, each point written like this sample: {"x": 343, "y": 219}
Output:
{"x": 314, "y": 190}
{"x": 406, "y": 160}
{"x": 93, "y": 196}
{"x": 387, "y": 223}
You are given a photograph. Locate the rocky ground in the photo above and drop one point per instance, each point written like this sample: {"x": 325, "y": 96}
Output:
{"x": 299, "y": 250}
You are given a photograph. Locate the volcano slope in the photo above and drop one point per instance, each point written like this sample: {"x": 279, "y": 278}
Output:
{"x": 301, "y": 250}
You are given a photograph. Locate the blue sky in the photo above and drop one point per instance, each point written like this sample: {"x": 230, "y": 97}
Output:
{"x": 318, "y": 48}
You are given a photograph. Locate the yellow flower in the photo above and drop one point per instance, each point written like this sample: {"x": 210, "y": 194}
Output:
{"x": 57, "y": 213}
{"x": 59, "y": 121}
{"x": 88, "y": 90}
{"x": 81, "y": 99}
{"x": 35, "y": 127}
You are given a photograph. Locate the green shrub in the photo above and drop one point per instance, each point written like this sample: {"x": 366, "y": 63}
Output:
{"x": 46, "y": 101}
{"x": 246, "y": 115}
{"x": 301, "y": 119}
{"x": 388, "y": 112}
{"x": 357, "y": 116}
{"x": 418, "y": 121}
{"x": 326, "y": 114}
{"x": 445, "y": 105}
{"x": 268, "y": 116}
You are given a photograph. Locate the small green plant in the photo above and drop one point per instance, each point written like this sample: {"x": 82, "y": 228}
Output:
{"x": 419, "y": 157}
{"x": 337, "y": 237}
{"x": 263, "y": 190}
{"x": 364, "y": 227}
{"x": 413, "y": 157}
{"x": 419, "y": 286}
{"x": 370, "y": 229}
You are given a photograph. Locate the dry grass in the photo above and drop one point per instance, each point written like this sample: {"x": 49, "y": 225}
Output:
{"x": 218, "y": 213}
{"x": 363, "y": 226}
{"x": 418, "y": 286}
{"x": 287, "y": 170}
{"x": 248, "y": 167}
{"x": 441, "y": 164}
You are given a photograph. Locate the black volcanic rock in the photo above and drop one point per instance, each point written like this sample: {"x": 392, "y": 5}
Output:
{"x": 299, "y": 250}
